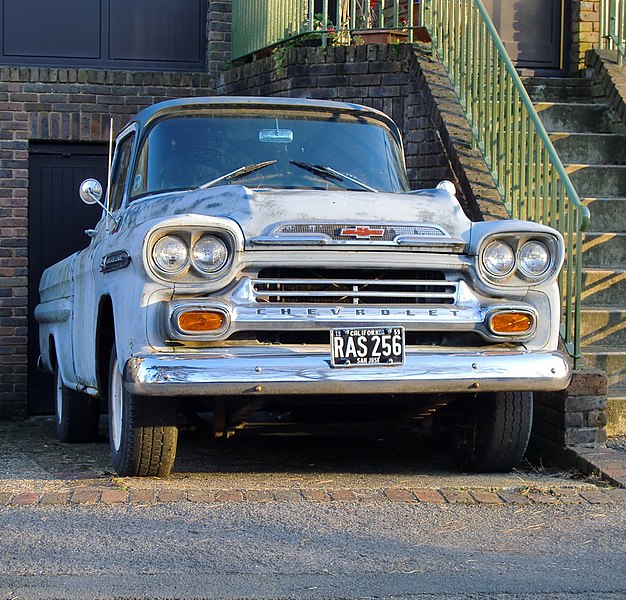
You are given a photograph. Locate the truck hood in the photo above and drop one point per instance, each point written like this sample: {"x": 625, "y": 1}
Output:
{"x": 257, "y": 212}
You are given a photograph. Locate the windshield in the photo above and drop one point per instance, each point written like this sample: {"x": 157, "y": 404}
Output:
{"x": 185, "y": 151}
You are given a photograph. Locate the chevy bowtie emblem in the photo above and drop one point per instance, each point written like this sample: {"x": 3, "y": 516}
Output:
{"x": 362, "y": 231}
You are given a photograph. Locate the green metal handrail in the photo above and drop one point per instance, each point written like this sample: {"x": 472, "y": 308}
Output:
{"x": 261, "y": 24}
{"x": 613, "y": 26}
{"x": 257, "y": 24}
{"x": 531, "y": 179}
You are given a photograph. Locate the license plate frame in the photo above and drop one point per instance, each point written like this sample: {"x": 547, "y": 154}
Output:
{"x": 369, "y": 346}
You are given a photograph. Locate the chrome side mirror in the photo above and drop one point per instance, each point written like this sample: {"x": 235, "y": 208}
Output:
{"x": 90, "y": 191}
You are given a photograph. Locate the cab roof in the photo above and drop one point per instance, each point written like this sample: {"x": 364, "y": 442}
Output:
{"x": 248, "y": 102}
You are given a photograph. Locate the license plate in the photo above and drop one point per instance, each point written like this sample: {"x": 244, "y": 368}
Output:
{"x": 367, "y": 346}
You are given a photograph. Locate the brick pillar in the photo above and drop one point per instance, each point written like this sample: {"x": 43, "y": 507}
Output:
{"x": 219, "y": 34}
{"x": 14, "y": 128}
{"x": 574, "y": 417}
{"x": 585, "y": 31}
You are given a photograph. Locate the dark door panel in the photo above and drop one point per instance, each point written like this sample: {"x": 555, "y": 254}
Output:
{"x": 57, "y": 220}
{"x": 142, "y": 34}
{"x": 138, "y": 32}
{"x": 532, "y": 31}
{"x": 48, "y": 32}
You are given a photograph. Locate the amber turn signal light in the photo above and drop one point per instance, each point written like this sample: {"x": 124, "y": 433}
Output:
{"x": 511, "y": 322}
{"x": 201, "y": 320}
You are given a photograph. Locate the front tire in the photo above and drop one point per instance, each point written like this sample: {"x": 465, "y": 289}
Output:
{"x": 77, "y": 415}
{"x": 491, "y": 432}
{"x": 142, "y": 431}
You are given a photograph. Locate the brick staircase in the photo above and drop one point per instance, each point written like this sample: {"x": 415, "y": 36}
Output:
{"x": 592, "y": 145}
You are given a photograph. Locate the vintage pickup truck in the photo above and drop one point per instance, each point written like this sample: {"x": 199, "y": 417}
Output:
{"x": 264, "y": 252}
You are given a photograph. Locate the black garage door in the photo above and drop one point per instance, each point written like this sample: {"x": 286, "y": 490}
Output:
{"x": 57, "y": 220}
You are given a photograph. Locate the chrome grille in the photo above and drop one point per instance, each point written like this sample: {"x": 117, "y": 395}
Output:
{"x": 335, "y": 286}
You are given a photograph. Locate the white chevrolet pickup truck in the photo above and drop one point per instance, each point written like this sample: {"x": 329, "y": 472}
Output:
{"x": 268, "y": 252}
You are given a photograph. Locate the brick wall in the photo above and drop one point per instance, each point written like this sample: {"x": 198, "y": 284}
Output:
{"x": 585, "y": 32}
{"x": 609, "y": 81}
{"x": 38, "y": 104}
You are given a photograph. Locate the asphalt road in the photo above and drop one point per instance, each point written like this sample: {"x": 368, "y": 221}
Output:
{"x": 553, "y": 542}
{"x": 302, "y": 550}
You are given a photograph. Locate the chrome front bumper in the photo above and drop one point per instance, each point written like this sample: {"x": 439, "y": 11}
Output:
{"x": 284, "y": 371}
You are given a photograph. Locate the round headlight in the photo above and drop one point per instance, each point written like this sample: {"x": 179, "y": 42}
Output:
{"x": 170, "y": 254}
{"x": 534, "y": 259}
{"x": 209, "y": 254}
{"x": 499, "y": 258}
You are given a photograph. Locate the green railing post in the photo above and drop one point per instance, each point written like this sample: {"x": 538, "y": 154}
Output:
{"x": 613, "y": 27}
{"x": 261, "y": 24}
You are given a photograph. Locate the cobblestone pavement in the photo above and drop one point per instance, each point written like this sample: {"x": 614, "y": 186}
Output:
{"x": 36, "y": 469}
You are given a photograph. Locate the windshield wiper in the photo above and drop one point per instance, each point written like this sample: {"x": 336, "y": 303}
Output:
{"x": 240, "y": 172}
{"x": 331, "y": 174}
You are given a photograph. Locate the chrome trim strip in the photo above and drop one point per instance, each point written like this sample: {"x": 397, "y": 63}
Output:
{"x": 115, "y": 261}
{"x": 423, "y": 244}
{"x": 54, "y": 311}
{"x": 313, "y": 281}
{"x": 414, "y": 242}
{"x": 356, "y": 294}
{"x": 454, "y": 246}
{"x": 292, "y": 240}
{"x": 300, "y": 316}
{"x": 286, "y": 371}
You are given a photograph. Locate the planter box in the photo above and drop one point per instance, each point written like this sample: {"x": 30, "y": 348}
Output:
{"x": 389, "y": 36}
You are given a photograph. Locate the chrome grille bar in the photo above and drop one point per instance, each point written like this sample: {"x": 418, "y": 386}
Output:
{"x": 383, "y": 291}
{"x": 354, "y": 294}
{"x": 369, "y": 282}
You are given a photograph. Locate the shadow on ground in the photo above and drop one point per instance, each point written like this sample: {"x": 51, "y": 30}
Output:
{"x": 31, "y": 458}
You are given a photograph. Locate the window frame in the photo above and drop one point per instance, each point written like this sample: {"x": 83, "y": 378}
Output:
{"x": 128, "y": 135}
{"x": 108, "y": 31}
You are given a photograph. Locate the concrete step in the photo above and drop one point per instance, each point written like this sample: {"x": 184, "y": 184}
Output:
{"x": 607, "y": 214}
{"x": 558, "y": 89}
{"x": 604, "y": 250}
{"x": 590, "y": 148}
{"x": 604, "y": 288}
{"x": 604, "y": 326}
{"x": 616, "y": 413}
{"x": 599, "y": 181}
{"x": 575, "y": 117}
{"x": 611, "y": 361}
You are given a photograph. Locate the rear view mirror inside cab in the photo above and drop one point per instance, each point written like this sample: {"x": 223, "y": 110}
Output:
{"x": 276, "y": 136}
